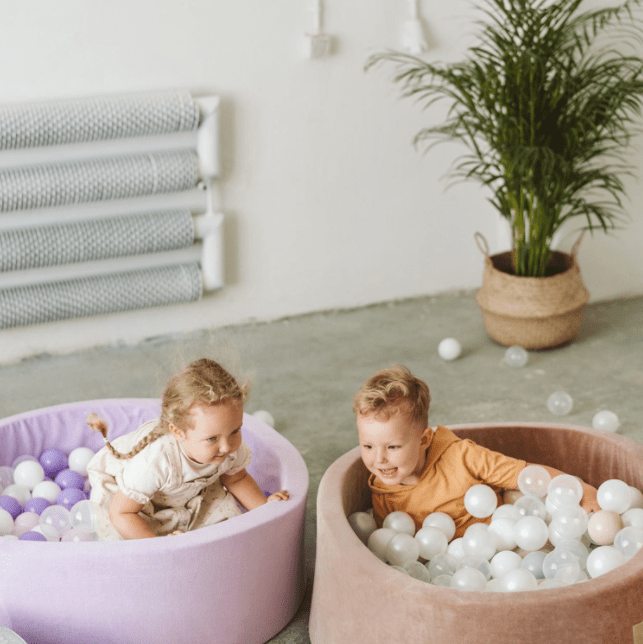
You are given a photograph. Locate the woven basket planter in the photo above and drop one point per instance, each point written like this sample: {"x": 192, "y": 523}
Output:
{"x": 532, "y": 312}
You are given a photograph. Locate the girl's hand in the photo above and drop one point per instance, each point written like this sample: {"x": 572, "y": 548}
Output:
{"x": 282, "y": 495}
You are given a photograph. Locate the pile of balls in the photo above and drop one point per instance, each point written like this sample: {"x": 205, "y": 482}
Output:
{"x": 46, "y": 498}
{"x": 544, "y": 539}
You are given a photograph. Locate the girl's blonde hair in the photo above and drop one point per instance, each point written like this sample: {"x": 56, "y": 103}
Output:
{"x": 202, "y": 383}
{"x": 391, "y": 389}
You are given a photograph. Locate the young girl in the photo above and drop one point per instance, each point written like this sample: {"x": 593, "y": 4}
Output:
{"x": 182, "y": 471}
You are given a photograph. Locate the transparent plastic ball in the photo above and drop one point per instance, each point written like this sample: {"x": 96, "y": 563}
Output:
{"x": 442, "y": 580}
{"x": 442, "y": 521}
{"x": 363, "y": 525}
{"x": 54, "y": 521}
{"x": 47, "y": 490}
{"x": 79, "y": 458}
{"x": 633, "y": 517}
{"x": 606, "y": 420}
{"x": 629, "y": 541}
{"x": 534, "y": 480}
{"x": 604, "y": 559}
{"x": 400, "y": 522}
{"x": 401, "y": 569}
{"x": 565, "y": 489}
{"x": 530, "y": 506}
{"x": 265, "y": 417}
{"x": 28, "y": 473}
{"x": 402, "y": 549}
{"x": 449, "y": 349}
{"x": 550, "y": 583}
{"x": 6, "y": 476}
{"x": 505, "y": 511}
{"x": 503, "y": 531}
{"x": 444, "y": 564}
{"x": 432, "y": 542}
{"x": 480, "y": 501}
{"x": 511, "y": 496}
{"x": 518, "y": 580}
{"x": 614, "y": 495}
{"x": 578, "y": 549}
{"x": 417, "y": 571}
{"x": 469, "y": 579}
{"x": 75, "y": 535}
{"x": 560, "y": 403}
{"x": 557, "y": 558}
{"x": 480, "y": 543}
{"x": 516, "y": 357}
{"x": 531, "y": 533}
{"x": 455, "y": 548}
{"x": 6, "y": 522}
{"x": 568, "y": 573}
{"x": 378, "y": 541}
{"x": 603, "y": 526}
{"x": 503, "y": 562}
{"x": 570, "y": 521}
{"x": 533, "y": 562}
{"x": 477, "y": 562}
{"x": 19, "y": 492}
{"x": 83, "y": 516}
{"x": 25, "y": 522}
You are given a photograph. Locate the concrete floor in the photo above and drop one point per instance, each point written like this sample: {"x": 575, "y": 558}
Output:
{"x": 305, "y": 371}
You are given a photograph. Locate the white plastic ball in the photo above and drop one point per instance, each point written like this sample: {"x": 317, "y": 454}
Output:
{"x": 533, "y": 562}
{"x": 83, "y": 517}
{"x": 633, "y": 517}
{"x": 402, "y": 549}
{"x": 455, "y": 548}
{"x": 603, "y": 559}
{"x": 54, "y": 521}
{"x": 363, "y": 525}
{"x": 417, "y": 571}
{"x": 518, "y": 580}
{"x": 480, "y": 543}
{"x": 531, "y": 533}
{"x": 550, "y": 583}
{"x": 629, "y": 540}
{"x": 614, "y": 495}
{"x": 378, "y": 541}
{"x": 400, "y": 522}
{"x": 606, "y": 420}
{"x": 442, "y": 521}
{"x": 560, "y": 403}
{"x": 19, "y": 492}
{"x": 502, "y": 562}
{"x": 469, "y": 579}
{"x": 29, "y": 474}
{"x": 480, "y": 501}
{"x": 432, "y": 542}
{"x": 503, "y": 532}
{"x": 570, "y": 521}
{"x": 444, "y": 564}
{"x": 505, "y": 511}
{"x": 6, "y": 522}
{"x": 534, "y": 480}
{"x": 530, "y": 506}
{"x": 555, "y": 538}
{"x": 401, "y": 569}
{"x": 449, "y": 349}
{"x": 265, "y": 417}
{"x": 565, "y": 489}
{"x": 79, "y": 458}
{"x": 511, "y": 496}
{"x": 47, "y": 490}
{"x": 636, "y": 498}
{"x": 516, "y": 357}
{"x": 25, "y": 522}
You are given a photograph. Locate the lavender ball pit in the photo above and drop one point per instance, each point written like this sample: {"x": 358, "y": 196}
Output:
{"x": 238, "y": 582}
{"x": 359, "y": 599}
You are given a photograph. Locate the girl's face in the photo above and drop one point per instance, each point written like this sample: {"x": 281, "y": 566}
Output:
{"x": 394, "y": 449}
{"x": 216, "y": 432}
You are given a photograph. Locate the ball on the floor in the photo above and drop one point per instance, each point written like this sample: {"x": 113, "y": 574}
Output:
{"x": 560, "y": 403}
{"x": 449, "y": 349}
{"x": 606, "y": 420}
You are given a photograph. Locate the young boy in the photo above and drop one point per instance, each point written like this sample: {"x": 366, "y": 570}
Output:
{"x": 417, "y": 470}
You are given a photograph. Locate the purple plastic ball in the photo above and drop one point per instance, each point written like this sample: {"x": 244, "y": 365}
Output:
{"x": 32, "y": 536}
{"x": 11, "y": 505}
{"x": 36, "y": 505}
{"x": 53, "y": 461}
{"x": 69, "y": 497}
{"x": 69, "y": 478}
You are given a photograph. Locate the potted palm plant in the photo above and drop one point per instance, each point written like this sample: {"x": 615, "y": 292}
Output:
{"x": 546, "y": 103}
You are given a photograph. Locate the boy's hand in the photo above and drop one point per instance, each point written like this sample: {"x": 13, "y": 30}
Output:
{"x": 282, "y": 495}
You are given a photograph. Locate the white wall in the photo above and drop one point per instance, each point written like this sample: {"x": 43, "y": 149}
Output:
{"x": 328, "y": 205}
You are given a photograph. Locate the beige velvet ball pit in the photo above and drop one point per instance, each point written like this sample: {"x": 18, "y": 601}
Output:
{"x": 359, "y": 599}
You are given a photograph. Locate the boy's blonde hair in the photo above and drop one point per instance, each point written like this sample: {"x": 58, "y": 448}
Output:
{"x": 388, "y": 390}
{"x": 202, "y": 383}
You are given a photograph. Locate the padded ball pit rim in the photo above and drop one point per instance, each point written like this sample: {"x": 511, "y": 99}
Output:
{"x": 363, "y": 578}
{"x": 297, "y": 476}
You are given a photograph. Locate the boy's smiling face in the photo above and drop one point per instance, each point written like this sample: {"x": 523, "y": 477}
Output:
{"x": 393, "y": 449}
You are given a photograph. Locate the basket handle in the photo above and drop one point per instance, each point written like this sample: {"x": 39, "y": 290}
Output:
{"x": 482, "y": 244}
{"x": 574, "y": 250}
